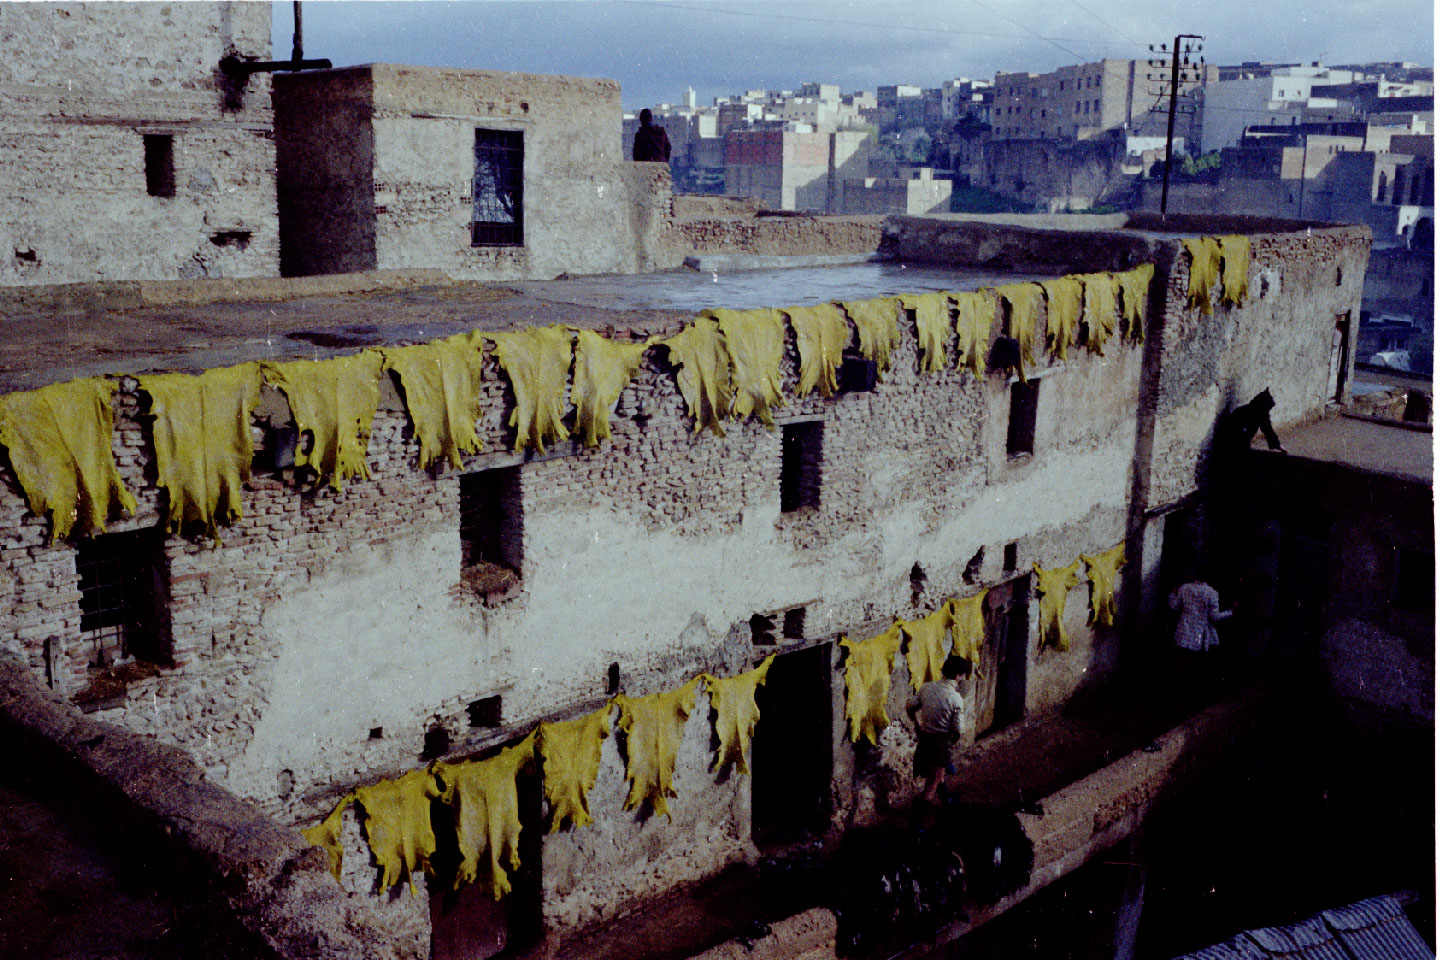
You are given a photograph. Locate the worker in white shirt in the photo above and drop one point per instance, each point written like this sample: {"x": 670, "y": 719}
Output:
{"x": 938, "y": 713}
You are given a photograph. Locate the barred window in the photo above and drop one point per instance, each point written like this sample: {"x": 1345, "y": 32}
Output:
{"x": 498, "y": 219}
{"x": 123, "y": 596}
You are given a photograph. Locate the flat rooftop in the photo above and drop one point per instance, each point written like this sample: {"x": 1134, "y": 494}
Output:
{"x": 61, "y": 333}
{"x": 1371, "y": 445}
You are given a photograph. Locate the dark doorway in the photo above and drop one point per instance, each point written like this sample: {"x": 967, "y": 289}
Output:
{"x": 1340, "y": 357}
{"x": 1000, "y": 686}
{"x": 1304, "y": 582}
{"x": 791, "y": 753}
{"x": 469, "y": 924}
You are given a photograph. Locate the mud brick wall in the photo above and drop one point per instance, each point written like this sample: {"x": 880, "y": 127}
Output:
{"x": 95, "y": 79}
{"x": 316, "y": 646}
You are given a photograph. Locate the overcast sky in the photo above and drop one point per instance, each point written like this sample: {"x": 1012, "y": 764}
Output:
{"x": 656, "y": 48}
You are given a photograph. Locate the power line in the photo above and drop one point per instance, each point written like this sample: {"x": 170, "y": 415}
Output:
{"x": 884, "y": 26}
{"x": 1107, "y": 23}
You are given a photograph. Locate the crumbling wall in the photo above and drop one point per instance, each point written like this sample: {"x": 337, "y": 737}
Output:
{"x": 95, "y": 79}
{"x": 779, "y": 236}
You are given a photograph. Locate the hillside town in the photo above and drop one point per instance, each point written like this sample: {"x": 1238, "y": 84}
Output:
{"x": 1340, "y": 144}
{"x": 446, "y": 515}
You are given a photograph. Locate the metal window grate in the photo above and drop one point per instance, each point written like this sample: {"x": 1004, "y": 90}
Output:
{"x": 120, "y": 609}
{"x": 498, "y": 190}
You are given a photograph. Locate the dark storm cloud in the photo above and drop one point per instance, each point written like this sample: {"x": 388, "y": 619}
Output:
{"x": 657, "y": 49}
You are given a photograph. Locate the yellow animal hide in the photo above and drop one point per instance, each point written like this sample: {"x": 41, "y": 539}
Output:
{"x": 203, "y": 446}
{"x": 974, "y": 317}
{"x": 868, "y": 667}
{"x": 486, "y": 806}
{"x": 968, "y": 626}
{"x": 335, "y": 401}
{"x": 603, "y": 368}
{"x": 821, "y": 335}
{"x": 932, "y": 327}
{"x": 1054, "y": 585}
{"x": 570, "y": 753}
{"x": 1135, "y": 299}
{"x": 58, "y": 438}
{"x": 397, "y": 824}
{"x": 1204, "y": 271}
{"x": 733, "y": 700}
{"x": 925, "y": 650}
{"x": 326, "y": 834}
{"x": 1101, "y": 311}
{"x": 1102, "y": 570}
{"x": 537, "y": 361}
{"x": 652, "y": 727}
{"x": 1025, "y": 301}
{"x": 441, "y": 382}
{"x": 704, "y": 375}
{"x": 1063, "y": 297}
{"x": 1235, "y": 279}
{"x": 877, "y": 322}
{"x": 755, "y": 340}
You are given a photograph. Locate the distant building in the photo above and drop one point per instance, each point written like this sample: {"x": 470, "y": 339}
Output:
{"x": 1084, "y": 101}
{"x": 792, "y": 170}
{"x": 918, "y": 193}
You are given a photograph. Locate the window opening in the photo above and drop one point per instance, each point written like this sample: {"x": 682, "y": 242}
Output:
{"x": 1012, "y": 557}
{"x": 762, "y": 630}
{"x": 793, "y": 627}
{"x": 1415, "y": 579}
{"x": 492, "y": 528}
{"x": 159, "y": 164}
{"x": 377, "y": 733}
{"x": 801, "y": 451}
{"x": 1020, "y": 436}
{"x": 972, "y": 569}
{"x": 484, "y": 712}
{"x": 437, "y": 743}
{"x": 612, "y": 680}
{"x": 123, "y": 596}
{"x": 918, "y": 580}
{"x": 498, "y": 189}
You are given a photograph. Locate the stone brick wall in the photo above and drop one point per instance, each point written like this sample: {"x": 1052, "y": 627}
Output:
{"x": 318, "y": 643}
{"x": 93, "y": 80}
{"x": 379, "y": 162}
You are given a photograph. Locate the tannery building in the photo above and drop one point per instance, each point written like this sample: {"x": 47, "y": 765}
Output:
{"x": 541, "y": 608}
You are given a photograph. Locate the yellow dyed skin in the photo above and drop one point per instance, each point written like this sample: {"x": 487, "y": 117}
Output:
{"x": 483, "y": 796}
{"x": 603, "y": 368}
{"x": 1054, "y": 585}
{"x": 754, "y": 340}
{"x": 1235, "y": 278}
{"x": 652, "y": 727}
{"x": 733, "y": 700}
{"x": 974, "y": 318}
{"x": 877, "y": 322}
{"x": 868, "y": 667}
{"x": 58, "y": 439}
{"x": 203, "y": 447}
{"x": 932, "y": 327}
{"x": 968, "y": 626}
{"x": 441, "y": 382}
{"x": 1025, "y": 301}
{"x": 1101, "y": 312}
{"x": 335, "y": 401}
{"x": 570, "y": 754}
{"x": 397, "y": 824}
{"x": 537, "y": 361}
{"x": 326, "y": 834}
{"x": 1204, "y": 271}
{"x": 1063, "y": 298}
{"x": 1102, "y": 570}
{"x": 925, "y": 648}
{"x": 821, "y": 335}
{"x": 704, "y": 375}
{"x": 1135, "y": 297}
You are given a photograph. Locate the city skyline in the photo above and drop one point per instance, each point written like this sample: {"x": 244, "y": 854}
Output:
{"x": 724, "y": 48}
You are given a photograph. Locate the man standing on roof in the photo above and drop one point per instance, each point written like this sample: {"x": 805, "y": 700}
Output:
{"x": 938, "y": 713}
{"x": 652, "y": 143}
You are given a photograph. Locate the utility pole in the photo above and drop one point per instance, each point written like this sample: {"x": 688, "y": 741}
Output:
{"x": 297, "y": 50}
{"x": 1175, "y": 53}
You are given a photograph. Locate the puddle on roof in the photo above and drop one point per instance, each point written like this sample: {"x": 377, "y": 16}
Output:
{"x": 746, "y": 290}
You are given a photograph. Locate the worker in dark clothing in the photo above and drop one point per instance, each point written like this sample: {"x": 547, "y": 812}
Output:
{"x": 651, "y": 142}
